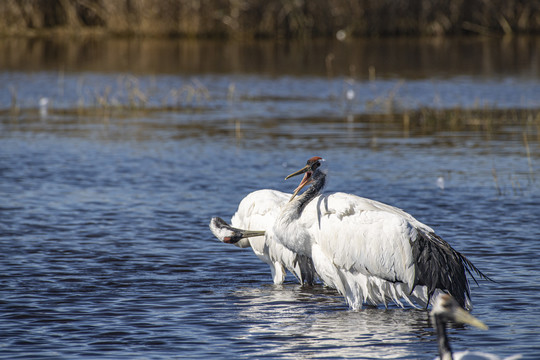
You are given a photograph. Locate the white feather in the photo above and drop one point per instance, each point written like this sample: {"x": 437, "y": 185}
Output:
{"x": 359, "y": 246}
{"x": 257, "y": 211}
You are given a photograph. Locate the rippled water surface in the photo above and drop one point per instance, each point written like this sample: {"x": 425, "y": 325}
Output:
{"x": 108, "y": 187}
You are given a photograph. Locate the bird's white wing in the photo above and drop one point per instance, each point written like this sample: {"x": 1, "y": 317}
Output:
{"x": 364, "y": 204}
{"x": 362, "y": 236}
{"x": 258, "y": 211}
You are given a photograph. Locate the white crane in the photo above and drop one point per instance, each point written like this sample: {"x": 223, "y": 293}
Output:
{"x": 369, "y": 251}
{"x": 445, "y": 309}
{"x": 258, "y": 210}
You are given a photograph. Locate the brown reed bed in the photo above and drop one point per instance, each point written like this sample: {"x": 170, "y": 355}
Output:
{"x": 269, "y": 19}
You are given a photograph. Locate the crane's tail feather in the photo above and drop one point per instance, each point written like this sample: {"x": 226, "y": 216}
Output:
{"x": 439, "y": 267}
{"x": 469, "y": 266}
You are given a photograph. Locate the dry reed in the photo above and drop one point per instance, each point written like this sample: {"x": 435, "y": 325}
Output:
{"x": 271, "y": 19}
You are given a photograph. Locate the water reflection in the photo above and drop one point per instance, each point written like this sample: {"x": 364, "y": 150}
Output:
{"x": 363, "y": 59}
{"x": 315, "y": 323}
{"x": 451, "y": 128}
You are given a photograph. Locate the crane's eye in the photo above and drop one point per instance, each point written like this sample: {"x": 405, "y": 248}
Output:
{"x": 315, "y": 165}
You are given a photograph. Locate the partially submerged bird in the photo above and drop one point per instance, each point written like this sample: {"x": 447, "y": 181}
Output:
{"x": 446, "y": 309}
{"x": 369, "y": 251}
{"x": 258, "y": 210}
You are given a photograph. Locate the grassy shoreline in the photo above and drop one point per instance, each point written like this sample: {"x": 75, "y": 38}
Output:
{"x": 425, "y": 117}
{"x": 244, "y": 19}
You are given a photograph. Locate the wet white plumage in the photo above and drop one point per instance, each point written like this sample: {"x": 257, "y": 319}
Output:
{"x": 363, "y": 271}
{"x": 257, "y": 211}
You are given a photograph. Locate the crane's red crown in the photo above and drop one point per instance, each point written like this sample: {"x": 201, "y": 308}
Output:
{"x": 314, "y": 159}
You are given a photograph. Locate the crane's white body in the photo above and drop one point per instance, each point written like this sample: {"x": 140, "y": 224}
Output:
{"x": 258, "y": 211}
{"x": 359, "y": 246}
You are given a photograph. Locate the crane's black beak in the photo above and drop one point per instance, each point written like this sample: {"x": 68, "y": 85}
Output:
{"x": 305, "y": 180}
{"x": 301, "y": 171}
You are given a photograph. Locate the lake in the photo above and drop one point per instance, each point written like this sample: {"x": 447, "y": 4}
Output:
{"x": 115, "y": 154}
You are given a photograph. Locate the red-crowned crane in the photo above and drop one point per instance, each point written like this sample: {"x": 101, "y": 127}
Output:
{"x": 370, "y": 252}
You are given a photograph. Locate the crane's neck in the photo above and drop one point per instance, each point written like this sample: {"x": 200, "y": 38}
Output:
{"x": 290, "y": 226}
{"x": 314, "y": 190}
{"x": 445, "y": 352}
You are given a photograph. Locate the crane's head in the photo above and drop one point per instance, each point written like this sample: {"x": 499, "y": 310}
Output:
{"x": 312, "y": 165}
{"x": 231, "y": 235}
{"x": 447, "y": 308}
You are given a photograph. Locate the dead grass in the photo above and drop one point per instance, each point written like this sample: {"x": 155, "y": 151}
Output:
{"x": 270, "y": 19}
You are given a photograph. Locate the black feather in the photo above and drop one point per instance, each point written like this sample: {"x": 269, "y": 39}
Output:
{"x": 439, "y": 266}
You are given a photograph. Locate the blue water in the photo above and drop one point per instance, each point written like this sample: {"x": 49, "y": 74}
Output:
{"x": 106, "y": 251}
{"x": 248, "y": 96}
